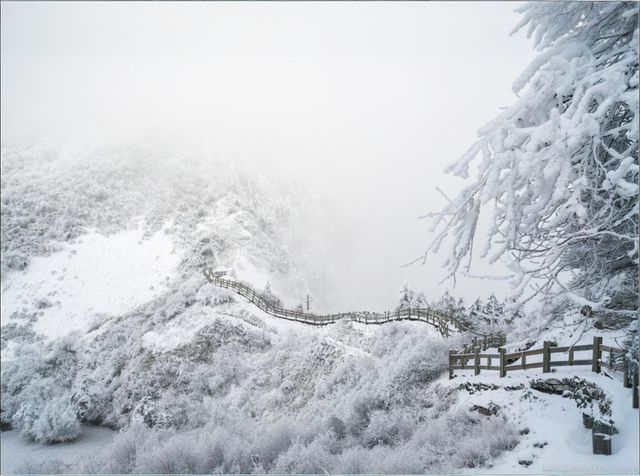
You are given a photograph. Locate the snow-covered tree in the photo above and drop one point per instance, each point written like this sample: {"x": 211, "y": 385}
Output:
{"x": 558, "y": 171}
{"x": 406, "y": 297}
{"x": 476, "y": 311}
{"x": 420, "y": 300}
{"x": 268, "y": 295}
{"x": 448, "y": 304}
{"x": 494, "y": 309}
{"x": 490, "y": 315}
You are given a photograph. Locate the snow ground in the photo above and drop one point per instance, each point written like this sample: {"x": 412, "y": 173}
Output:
{"x": 555, "y": 424}
{"x": 95, "y": 277}
{"x": 18, "y": 452}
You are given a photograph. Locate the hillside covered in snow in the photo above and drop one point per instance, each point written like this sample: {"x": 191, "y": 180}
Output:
{"x": 205, "y": 205}
{"x": 108, "y": 320}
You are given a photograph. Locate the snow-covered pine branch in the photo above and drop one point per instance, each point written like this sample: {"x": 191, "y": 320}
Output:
{"x": 558, "y": 170}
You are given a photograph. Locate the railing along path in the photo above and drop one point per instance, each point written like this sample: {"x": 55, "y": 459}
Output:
{"x": 599, "y": 356}
{"x": 446, "y": 324}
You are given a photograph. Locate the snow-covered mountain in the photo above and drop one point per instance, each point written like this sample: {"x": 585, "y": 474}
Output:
{"x": 108, "y": 320}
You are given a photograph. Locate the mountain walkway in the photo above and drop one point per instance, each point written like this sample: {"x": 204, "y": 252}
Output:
{"x": 445, "y": 323}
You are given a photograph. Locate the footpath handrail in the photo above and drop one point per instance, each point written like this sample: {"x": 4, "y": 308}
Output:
{"x": 602, "y": 356}
{"x": 445, "y": 323}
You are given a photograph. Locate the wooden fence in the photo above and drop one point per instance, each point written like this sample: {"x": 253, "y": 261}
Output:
{"x": 445, "y": 323}
{"x": 484, "y": 342}
{"x": 602, "y": 356}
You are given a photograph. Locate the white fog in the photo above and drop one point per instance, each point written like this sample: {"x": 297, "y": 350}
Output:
{"x": 319, "y": 237}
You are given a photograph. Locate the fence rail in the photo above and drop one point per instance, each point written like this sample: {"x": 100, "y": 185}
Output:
{"x": 602, "y": 356}
{"x": 445, "y": 323}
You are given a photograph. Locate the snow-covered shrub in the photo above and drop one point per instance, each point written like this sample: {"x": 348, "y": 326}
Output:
{"x": 455, "y": 440}
{"x": 57, "y": 422}
{"x": 178, "y": 454}
{"x": 337, "y": 426}
{"x": 386, "y": 428}
{"x": 122, "y": 453}
{"x": 304, "y": 459}
{"x": 46, "y": 418}
{"x": 54, "y": 466}
{"x": 18, "y": 333}
{"x": 36, "y": 396}
{"x": 460, "y": 440}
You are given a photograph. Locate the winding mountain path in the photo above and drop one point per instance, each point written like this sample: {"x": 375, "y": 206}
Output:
{"x": 445, "y": 323}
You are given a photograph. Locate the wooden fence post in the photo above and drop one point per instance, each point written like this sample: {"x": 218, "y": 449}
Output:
{"x": 601, "y": 438}
{"x": 635, "y": 388}
{"x": 571, "y": 355}
{"x": 611, "y": 359}
{"x": 484, "y": 343}
{"x": 503, "y": 363}
{"x": 546, "y": 357}
{"x": 595, "y": 366}
{"x": 476, "y": 364}
{"x": 523, "y": 360}
{"x": 451, "y": 363}
{"x": 626, "y": 381}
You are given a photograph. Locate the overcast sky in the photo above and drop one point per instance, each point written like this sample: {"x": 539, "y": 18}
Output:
{"x": 367, "y": 102}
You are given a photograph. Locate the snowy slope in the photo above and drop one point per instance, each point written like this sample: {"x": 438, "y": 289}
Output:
{"x": 555, "y": 440}
{"x": 20, "y": 456}
{"x": 95, "y": 277}
{"x": 108, "y": 320}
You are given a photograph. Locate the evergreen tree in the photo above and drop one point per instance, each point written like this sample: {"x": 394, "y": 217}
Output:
{"x": 406, "y": 297}
{"x": 493, "y": 310}
{"x": 447, "y": 304}
{"x": 476, "y": 312}
{"x": 420, "y": 301}
{"x": 268, "y": 295}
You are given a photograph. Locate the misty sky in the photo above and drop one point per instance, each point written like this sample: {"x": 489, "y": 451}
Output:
{"x": 367, "y": 102}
